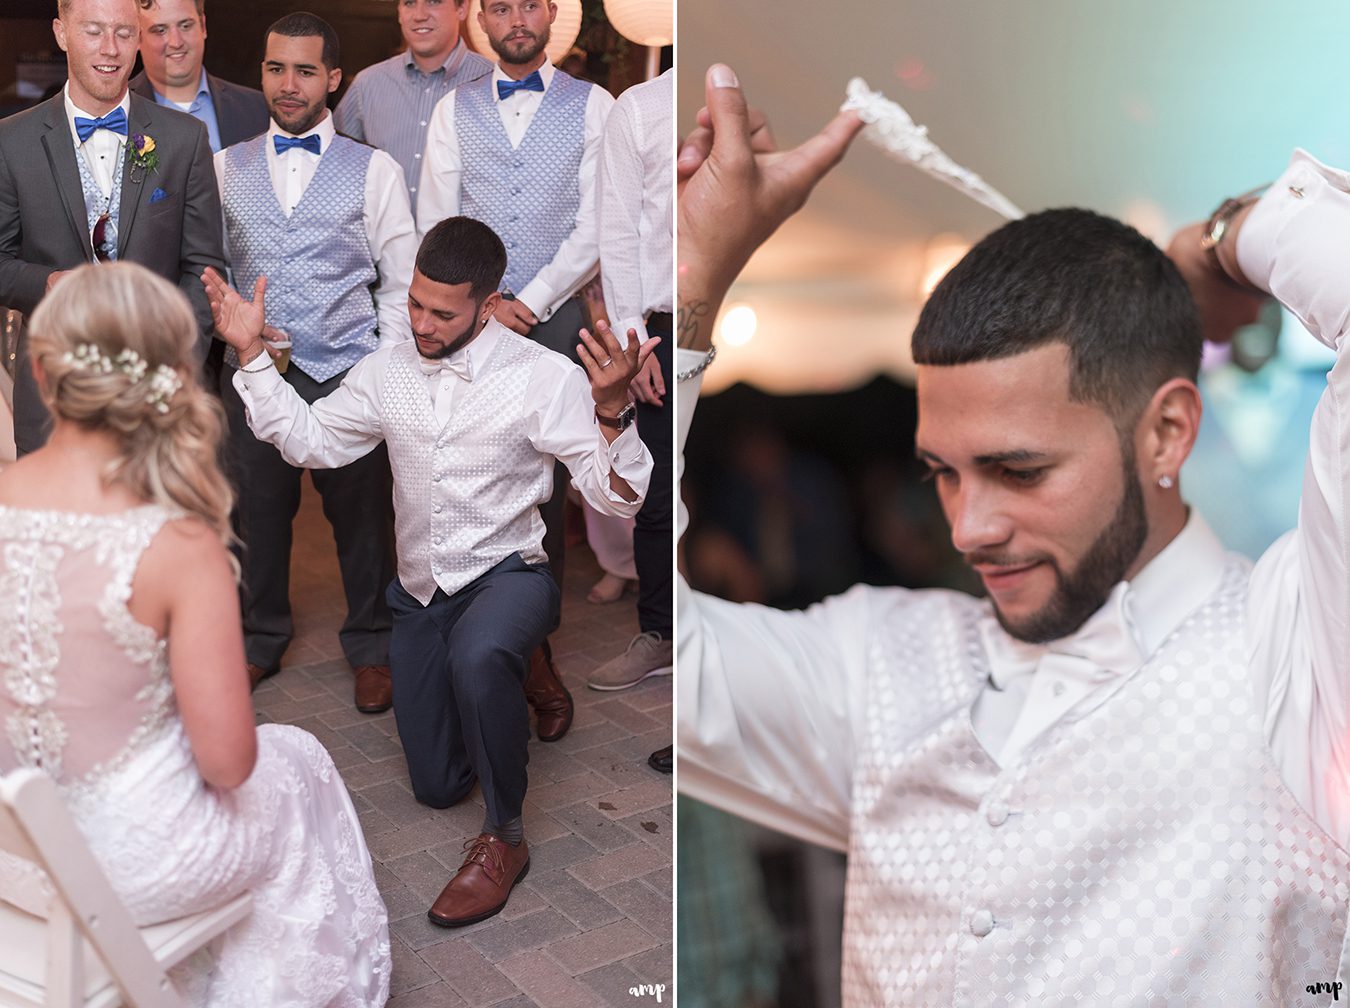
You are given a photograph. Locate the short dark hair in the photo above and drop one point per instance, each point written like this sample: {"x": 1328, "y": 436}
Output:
{"x": 1073, "y": 277}
{"x": 303, "y": 24}
{"x": 463, "y": 250}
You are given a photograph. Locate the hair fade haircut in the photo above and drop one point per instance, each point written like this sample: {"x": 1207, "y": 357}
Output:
{"x": 1073, "y": 277}
{"x": 463, "y": 250}
{"x": 303, "y": 24}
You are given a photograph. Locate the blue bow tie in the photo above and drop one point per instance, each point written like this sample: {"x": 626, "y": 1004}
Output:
{"x": 309, "y": 143}
{"x": 116, "y": 120}
{"x": 506, "y": 88}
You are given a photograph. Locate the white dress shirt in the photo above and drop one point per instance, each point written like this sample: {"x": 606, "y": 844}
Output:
{"x": 344, "y": 426}
{"x": 103, "y": 150}
{"x": 575, "y": 261}
{"x": 750, "y": 742}
{"x": 636, "y": 204}
{"x": 386, "y": 214}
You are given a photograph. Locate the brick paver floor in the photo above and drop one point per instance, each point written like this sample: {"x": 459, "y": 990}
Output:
{"x": 593, "y": 918}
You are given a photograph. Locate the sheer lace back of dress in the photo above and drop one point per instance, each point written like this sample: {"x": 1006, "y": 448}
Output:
{"x": 83, "y": 685}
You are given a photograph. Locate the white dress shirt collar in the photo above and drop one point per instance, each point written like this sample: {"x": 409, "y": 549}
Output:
{"x": 1147, "y": 608}
{"x": 324, "y": 130}
{"x": 1170, "y": 587}
{"x": 546, "y": 72}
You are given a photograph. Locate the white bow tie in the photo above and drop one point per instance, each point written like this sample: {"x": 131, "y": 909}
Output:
{"x": 1101, "y": 649}
{"x": 456, "y": 363}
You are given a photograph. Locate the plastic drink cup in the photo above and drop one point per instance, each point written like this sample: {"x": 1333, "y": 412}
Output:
{"x": 284, "y": 345}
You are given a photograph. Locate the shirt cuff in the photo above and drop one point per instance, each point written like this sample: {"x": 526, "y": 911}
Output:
{"x": 625, "y": 453}
{"x": 537, "y": 298}
{"x": 257, "y": 384}
{"x": 635, "y": 322}
{"x": 1295, "y": 241}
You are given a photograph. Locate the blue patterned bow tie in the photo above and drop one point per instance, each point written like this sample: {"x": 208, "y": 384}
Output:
{"x": 116, "y": 120}
{"x": 309, "y": 143}
{"x": 506, "y": 88}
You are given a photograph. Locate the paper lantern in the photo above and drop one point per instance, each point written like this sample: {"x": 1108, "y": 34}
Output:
{"x": 643, "y": 22}
{"x": 566, "y": 26}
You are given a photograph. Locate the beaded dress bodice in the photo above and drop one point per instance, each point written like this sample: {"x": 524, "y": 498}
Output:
{"x": 83, "y": 685}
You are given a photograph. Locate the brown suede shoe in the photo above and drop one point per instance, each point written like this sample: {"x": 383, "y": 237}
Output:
{"x": 481, "y": 886}
{"x": 548, "y": 696}
{"x": 256, "y": 674}
{"x": 374, "y": 689}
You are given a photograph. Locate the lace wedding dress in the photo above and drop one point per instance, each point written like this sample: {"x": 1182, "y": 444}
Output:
{"x": 85, "y": 695}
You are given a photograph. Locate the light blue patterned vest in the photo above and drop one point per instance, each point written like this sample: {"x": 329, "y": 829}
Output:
{"x": 320, "y": 273}
{"x": 528, "y": 194}
{"x": 95, "y": 202}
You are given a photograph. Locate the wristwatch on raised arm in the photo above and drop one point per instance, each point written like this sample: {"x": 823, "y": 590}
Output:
{"x": 621, "y": 422}
{"x": 1219, "y": 220}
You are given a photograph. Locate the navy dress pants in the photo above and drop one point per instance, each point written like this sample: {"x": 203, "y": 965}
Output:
{"x": 653, "y": 540}
{"x": 458, "y": 666}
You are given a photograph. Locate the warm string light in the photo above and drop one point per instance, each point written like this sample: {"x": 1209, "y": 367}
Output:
{"x": 738, "y": 325}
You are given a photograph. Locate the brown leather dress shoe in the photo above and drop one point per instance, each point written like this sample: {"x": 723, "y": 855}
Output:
{"x": 481, "y": 886}
{"x": 256, "y": 674}
{"x": 374, "y": 689}
{"x": 548, "y": 696}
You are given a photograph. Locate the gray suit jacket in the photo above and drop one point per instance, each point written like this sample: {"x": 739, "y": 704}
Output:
{"x": 241, "y": 112}
{"x": 169, "y": 219}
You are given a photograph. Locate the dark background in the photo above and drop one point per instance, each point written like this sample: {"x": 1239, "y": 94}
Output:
{"x": 367, "y": 29}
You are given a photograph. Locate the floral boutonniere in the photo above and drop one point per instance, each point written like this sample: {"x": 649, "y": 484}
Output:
{"x": 144, "y": 157}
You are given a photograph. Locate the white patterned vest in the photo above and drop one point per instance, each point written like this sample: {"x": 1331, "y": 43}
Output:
{"x": 1144, "y": 851}
{"x": 318, "y": 264}
{"x": 466, "y": 496}
{"x": 528, "y": 194}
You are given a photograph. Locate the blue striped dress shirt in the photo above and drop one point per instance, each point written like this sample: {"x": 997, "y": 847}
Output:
{"x": 389, "y": 105}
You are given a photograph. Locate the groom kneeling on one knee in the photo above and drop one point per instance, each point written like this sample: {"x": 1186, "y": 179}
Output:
{"x": 474, "y": 417}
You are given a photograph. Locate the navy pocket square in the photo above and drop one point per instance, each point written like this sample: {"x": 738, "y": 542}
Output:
{"x": 158, "y": 195}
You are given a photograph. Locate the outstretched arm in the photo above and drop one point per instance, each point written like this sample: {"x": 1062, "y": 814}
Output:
{"x": 1294, "y": 244}
{"x": 768, "y": 700}
{"x": 338, "y": 429}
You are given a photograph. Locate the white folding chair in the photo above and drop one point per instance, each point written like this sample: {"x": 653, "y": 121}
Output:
{"x": 71, "y": 942}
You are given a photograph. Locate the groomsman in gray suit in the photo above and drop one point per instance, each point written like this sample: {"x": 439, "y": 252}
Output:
{"x": 94, "y": 174}
{"x": 173, "y": 42}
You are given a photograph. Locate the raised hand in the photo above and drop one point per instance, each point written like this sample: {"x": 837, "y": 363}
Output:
{"x": 239, "y": 322}
{"x": 611, "y": 367}
{"x": 735, "y": 190}
{"x": 1226, "y": 303}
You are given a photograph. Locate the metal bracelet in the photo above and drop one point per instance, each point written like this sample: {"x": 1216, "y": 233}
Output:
{"x": 698, "y": 368}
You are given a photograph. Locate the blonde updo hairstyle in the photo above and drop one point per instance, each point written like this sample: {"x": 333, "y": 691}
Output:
{"x": 169, "y": 439}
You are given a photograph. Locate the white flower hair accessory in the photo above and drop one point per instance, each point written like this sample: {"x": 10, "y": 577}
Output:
{"x": 164, "y": 380}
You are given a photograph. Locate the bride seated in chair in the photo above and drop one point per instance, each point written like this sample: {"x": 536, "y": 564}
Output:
{"x": 121, "y": 658}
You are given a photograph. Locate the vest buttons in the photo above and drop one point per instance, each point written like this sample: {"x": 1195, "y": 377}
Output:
{"x": 996, "y": 814}
{"x": 981, "y": 923}
{"x": 437, "y": 509}
{"x": 436, "y": 479}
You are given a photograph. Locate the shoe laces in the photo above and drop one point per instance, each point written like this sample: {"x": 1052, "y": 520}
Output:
{"x": 481, "y": 851}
